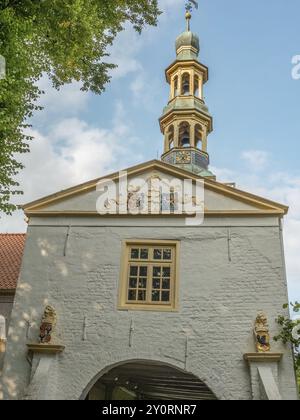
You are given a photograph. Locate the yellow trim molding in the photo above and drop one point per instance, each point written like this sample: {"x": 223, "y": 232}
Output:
{"x": 187, "y": 65}
{"x": 45, "y": 348}
{"x": 264, "y": 206}
{"x": 263, "y": 357}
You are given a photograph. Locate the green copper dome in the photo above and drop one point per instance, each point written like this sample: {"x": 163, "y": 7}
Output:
{"x": 188, "y": 39}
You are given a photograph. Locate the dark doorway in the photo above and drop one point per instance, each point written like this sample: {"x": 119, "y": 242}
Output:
{"x": 149, "y": 380}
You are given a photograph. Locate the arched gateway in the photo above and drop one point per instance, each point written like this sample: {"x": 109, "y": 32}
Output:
{"x": 146, "y": 380}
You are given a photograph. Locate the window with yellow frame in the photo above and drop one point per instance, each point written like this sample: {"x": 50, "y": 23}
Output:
{"x": 149, "y": 275}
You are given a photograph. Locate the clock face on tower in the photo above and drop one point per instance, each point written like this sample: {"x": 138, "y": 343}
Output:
{"x": 183, "y": 157}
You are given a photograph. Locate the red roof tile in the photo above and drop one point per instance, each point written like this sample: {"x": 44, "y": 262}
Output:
{"x": 11, "y": 253}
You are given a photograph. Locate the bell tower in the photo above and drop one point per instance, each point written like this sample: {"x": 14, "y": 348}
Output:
{"x": 186, "y": 122}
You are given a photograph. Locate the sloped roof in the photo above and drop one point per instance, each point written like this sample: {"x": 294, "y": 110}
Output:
{"x": 11, "y": 253}
{"x": 262, "y": 206}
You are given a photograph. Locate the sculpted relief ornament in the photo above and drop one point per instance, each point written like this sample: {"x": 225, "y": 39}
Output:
{"x": 47, "y": 325}
{"x": 261, "y": 332}
{"x": 46, "y": 336}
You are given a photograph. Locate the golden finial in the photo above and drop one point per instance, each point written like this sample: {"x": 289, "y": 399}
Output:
{"x": 188, "y": 17}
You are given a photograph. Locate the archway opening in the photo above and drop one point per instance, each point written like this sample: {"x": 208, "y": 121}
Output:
{"x": 185, "y": 84}
{"x": 148, "y": 380}
{"x": 184, "y": 135}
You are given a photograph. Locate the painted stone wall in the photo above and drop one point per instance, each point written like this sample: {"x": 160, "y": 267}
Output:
{"x": 223, "y": 284}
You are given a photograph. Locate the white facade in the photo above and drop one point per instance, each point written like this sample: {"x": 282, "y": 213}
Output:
{"x": 231, "y": 267}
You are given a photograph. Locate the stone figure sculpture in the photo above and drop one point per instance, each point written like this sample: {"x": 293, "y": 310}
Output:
{"x": 261, "y": 332}
{"x": 47, "y": 325}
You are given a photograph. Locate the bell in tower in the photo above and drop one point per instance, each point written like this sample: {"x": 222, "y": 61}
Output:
{"x": 186, "y": 84}
{"x": 186, "y": 122}
{"x": 185, "y": 136}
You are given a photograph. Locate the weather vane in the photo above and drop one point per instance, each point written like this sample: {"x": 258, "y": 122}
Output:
{"x": 189, "y": 4}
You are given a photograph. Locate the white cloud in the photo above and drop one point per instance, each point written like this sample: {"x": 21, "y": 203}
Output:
{"x": 255, "y": 159}
{"x": 124, "y": 52}
{"x": 146, "y": 94}
{"x": 13, "y": 224}
{"x": 71, "y": 153}
{"x": 69, "y": 100}
{"x": 224, "y": 174}
{"x": 75, "y": 152}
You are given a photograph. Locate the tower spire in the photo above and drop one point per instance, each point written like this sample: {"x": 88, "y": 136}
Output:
{"x": 186, "y": 121}
{"x": 188, "y": 12}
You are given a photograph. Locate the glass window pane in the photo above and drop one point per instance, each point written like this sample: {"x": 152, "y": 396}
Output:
{"x": 167, "y": 254}
{"x": 165, "y": 296}
{"x": 155, "y": 296}
{"x": 135, "y": 254}
{"x": 133, "y": 282}
{"x": 147, "y": 261}
{"x": 133, "y": 271}
{"x": 131, "y": 294}
{"x": 166, "y": 272}
{"x": 166, "y": 284}
{"x": 144, "y": 254}
{"x": 157, "y": 254}
{"x": 143, "y": 271}
{"x": 156, "y": 271}
{"x": 156, "y": 284}
{"x": 142, "y": 283}
{"x": 142, "y": 295}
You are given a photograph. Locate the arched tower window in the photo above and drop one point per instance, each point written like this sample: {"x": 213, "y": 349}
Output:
{"x": 171, "y": 137}
{"x": 196, "y": 86}
{"x": 176, "y": 91}
{"x": 184, "y": 135}
{"x": 198, "y": 136}
{"x": 185, "y": 90}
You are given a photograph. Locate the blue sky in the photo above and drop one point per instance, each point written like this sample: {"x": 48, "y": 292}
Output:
{"x": 251, "y": 94}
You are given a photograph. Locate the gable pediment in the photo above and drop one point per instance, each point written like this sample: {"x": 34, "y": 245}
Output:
{"x": 219, "y": 199}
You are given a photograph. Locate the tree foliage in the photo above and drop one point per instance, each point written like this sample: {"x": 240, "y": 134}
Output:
{"x": 291, "y": 334}
{"x": 67, "y": 40}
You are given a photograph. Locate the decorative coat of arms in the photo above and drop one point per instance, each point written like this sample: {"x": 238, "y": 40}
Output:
{"x": 261, "y": 332}
{"x": 47, "y": 325}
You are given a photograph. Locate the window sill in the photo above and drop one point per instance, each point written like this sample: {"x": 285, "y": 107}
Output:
{"x": 148, "y": 308}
